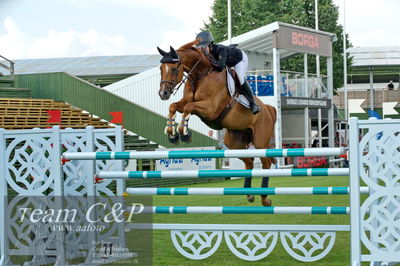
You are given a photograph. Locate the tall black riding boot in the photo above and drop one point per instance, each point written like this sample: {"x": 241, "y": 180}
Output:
{"x": 247, "y": 92}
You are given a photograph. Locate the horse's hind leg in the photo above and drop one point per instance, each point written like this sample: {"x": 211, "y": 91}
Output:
{"x": 236, "y": 140}
{"x": 249, "y": 164}
{"x": 266, "y": 163}
{"x": 263, "y": 132}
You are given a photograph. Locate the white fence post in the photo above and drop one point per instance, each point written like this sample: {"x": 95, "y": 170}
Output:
{"x": 354, "y": 192}
{"x": 3, "y": 194}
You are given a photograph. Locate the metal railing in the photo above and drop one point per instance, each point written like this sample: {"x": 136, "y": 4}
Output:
{"x": 10, "y": 68}
{"x": 293, "y": 84}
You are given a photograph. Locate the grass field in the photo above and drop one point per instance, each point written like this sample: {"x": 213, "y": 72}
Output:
{"x": 164, "y": 252}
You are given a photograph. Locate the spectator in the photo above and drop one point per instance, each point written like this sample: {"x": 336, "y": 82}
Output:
{"x": 314, "y": 143}
{"x": 390, "y": 86}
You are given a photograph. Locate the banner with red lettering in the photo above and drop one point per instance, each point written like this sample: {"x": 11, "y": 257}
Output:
{"x": 311, "y": 162}
{"x": 303, "y": 40}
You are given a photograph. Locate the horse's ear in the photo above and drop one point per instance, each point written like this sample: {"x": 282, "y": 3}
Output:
{"x": 161, "y": 51}
{"x": 173, "y": 52}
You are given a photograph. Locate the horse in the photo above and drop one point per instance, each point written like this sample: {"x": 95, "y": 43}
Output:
{"x": 206, "y": 96}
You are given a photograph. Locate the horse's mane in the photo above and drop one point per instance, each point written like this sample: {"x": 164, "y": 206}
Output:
{"x": 189, "y": 45}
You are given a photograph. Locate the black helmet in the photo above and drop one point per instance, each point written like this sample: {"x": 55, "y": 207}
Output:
{"x": 205, "y": 38}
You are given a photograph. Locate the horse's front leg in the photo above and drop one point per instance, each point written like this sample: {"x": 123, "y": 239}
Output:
{"x": 170, "y": 129}
{"x": 188, "y": 109}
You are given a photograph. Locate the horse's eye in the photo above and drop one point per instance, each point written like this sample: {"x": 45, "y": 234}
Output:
{"x": 174, "y": 70}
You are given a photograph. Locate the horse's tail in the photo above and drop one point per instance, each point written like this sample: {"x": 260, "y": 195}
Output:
{"x": 272, "y": 111}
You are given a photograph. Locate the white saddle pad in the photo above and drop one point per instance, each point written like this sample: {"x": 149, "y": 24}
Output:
{"x": 231, "y": 87}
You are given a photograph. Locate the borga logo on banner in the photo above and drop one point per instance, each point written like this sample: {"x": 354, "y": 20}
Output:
{"x": 186, "y": 164}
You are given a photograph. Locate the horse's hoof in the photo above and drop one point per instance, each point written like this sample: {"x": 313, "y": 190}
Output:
{"x": 174, "y": 139}
{"x": 187, "y": 138}
{"x": 266, "y": 202}
{"x": 250, "y": 198}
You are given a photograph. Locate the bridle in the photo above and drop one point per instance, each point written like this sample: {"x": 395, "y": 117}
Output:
{"x": 173, "y": 86}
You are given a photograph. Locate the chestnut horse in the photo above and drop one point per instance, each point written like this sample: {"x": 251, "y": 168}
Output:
{"x": 206, "y": 95}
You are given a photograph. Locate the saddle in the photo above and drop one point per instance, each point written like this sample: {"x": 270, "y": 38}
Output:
{"x": 235, "y": 77}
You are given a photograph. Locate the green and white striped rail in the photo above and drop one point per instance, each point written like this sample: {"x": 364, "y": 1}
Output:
{"x": 248, "y": 153}
{"x": 244, "y": 191}
{"x": 244, "y": 210}
{"x": 224, "y": 173}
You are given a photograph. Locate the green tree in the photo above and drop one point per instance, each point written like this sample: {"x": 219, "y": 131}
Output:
{"x": 251, "y": 14}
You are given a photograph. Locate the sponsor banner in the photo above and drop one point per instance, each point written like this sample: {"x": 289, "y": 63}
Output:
{"x": 186, "y": 164}
{"x": 311, "y": 162}
{"x": 301, "y": 40}
{"x": 301, "y": 102}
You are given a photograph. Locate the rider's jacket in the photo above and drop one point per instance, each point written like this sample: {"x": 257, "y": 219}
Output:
{"x": 225, "y": 56}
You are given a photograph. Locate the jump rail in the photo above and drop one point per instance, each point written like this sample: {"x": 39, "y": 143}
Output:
{"x": 204, "y": 154}
{"x": 244, "y": 210}
{"x": 243, "y": 227}
{"x": 224, "y": 173}
{"x": 244, "y": 191}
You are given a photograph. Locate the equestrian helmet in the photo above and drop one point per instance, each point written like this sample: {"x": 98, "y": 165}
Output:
{"x": 205, "y": 38}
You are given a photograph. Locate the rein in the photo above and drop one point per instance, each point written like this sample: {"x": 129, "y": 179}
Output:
{"x": 187, "y": 76}
{"x": 193, "y": 81}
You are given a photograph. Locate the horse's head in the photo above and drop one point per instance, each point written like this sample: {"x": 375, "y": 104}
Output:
{"x": 171, "y": 72}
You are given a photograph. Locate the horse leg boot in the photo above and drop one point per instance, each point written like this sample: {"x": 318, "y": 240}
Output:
{"x": 171, "y": 132}
{"x": 266, "y": 202}
{"x": 186, "y": 134}
{"x": 171, "y": 129}
{"x": 247, "y": 92}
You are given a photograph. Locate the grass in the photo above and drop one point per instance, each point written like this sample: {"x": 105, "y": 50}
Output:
{"x": 164, "y": 252}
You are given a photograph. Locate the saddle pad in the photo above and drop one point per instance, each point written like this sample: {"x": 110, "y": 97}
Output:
{"x": 231, "y": 88}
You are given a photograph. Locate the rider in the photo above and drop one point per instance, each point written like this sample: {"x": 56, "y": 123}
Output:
{"x": 231, "y": 57}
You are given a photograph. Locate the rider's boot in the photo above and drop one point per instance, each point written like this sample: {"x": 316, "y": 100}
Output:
{"x": 247, "y": 92}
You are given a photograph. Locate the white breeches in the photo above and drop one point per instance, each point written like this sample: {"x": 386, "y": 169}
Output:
{"x": 241, "y": 68}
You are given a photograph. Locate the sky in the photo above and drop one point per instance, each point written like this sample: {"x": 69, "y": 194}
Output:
{"x": 75, "y": 28}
